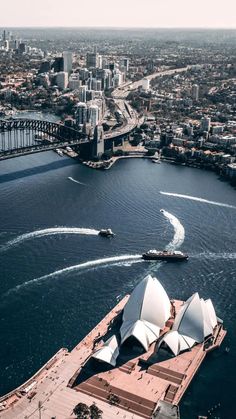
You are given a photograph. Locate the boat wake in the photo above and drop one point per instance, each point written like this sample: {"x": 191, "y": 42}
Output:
{"x": 76, "y": 181}
{"x": 48, "y": 232}
{"x": 194, "y": 198}
{"x": 123, "y": 260}
{"x": 214, "y": 256}
{"x": 179, "y": 232}
{"x": 88, "y": 266}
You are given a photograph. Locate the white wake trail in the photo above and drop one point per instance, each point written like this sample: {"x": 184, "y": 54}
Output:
{"x": 93, "y": 264}
{"x": 179, "y": 232}
{"x": 214, "y": 256}
{"x": 123, "y": 260}
{"x": 49, "y": 232}
{"x": 195, "y": 198}
{"x": 76, "y": 181}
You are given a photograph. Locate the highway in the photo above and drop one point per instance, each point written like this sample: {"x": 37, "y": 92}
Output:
{"x": 129, "y": 114}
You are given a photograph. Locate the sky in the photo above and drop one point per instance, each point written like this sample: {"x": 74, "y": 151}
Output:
{"x": 119, "y": 13}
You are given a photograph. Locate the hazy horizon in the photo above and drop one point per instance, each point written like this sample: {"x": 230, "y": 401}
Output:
{"x": 155, "y": 14}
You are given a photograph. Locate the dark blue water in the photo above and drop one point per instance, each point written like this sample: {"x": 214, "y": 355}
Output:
{"x": 39, "y": 317}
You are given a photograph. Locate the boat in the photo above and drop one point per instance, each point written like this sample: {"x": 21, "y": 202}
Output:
{"x": 59, "y": 152}
{"x": 106, "y": 232}
{"x": 156, "y": 158}
{"x": 175, "y": 255}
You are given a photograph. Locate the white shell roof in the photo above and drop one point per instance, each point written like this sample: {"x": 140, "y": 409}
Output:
{"x": 177, "y": 342}
{"x": 146, "y": 312}
{"x": 109, "y": 352}
{"x": 196, "y": 318}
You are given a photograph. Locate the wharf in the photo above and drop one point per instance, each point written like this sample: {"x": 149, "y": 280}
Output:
{"x": 140, "y": 387}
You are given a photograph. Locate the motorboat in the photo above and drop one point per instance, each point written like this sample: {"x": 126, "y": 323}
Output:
{"x": 106, "y": 232}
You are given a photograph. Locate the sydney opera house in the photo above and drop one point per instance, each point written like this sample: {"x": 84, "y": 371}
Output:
{"x": 136, "y": 363}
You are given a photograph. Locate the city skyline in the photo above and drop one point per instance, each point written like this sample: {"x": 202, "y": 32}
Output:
{"x": 134, "y": 14}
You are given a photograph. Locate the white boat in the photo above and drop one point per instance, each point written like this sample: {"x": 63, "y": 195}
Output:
{"x": 59, "y": 152}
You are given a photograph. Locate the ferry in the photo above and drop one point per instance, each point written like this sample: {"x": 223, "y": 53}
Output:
{"x": 154, "y": 254}
{"x": 107, "y": 232}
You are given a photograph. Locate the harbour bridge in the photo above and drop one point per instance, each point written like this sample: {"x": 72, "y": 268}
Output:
{"x": 19, "y": 137}
{"x": 26, "y": 136}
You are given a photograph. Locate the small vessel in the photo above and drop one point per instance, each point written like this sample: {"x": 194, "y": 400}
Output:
{"x": 156, "y": 158}
{"x": 106, "y": 232}
{"x": 154, "y": 254}
{"x": 161, "y": 210}
{"x": 59, "y": 152}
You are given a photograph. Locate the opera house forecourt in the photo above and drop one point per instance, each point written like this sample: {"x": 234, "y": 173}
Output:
{"x": 136, "y": 363}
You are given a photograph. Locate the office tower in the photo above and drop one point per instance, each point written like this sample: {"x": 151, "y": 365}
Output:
{"x": 67, "y": 62}
{"x": 74, "y": 82}
{"x": 125, "y": 64}
{"x": 22, "y": 48}
{"x": 4, "y": 35}
{"x": 83, "y": 93}
{"x": 92, "y": 60}
{"x": 195, "y": 92}
{"x": 58, "y": 64}
{"x": 62, "y": 80}
{"x": 45, "y": 67}
{"x": 81, "y": 113}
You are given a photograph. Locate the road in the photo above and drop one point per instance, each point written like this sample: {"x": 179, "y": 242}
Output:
{"x": 129, "y": 114}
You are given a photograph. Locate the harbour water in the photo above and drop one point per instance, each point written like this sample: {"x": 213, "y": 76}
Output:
{"x": 59, "y": 278}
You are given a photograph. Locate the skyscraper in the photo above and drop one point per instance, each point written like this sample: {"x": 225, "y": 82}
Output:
{"x": 81, "y": 113}
{"x": 67, "y": 61}
{"x": 92, "y": 60}
{"x": 62, "y": 80}
{"x": 195, "y": 92}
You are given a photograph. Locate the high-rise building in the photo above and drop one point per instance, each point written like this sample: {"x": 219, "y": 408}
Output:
{"x": 83, "y": 93}
{"x": 92, "y": 60}
{"x": 81, "y": 113}
{"x": 125, "y": 64}
{"x": 62, "y": 80}
{"x": 22, "y": 48}
{"x": 195, "y": 92}
{"x": 205, "y": 124}
{"x": 67, "y": 62}
{"x": 93, "y": 115}
{"x": 45, "y": 67}
{"x": 74, "y": 81}
{"x": 58, "y": 64}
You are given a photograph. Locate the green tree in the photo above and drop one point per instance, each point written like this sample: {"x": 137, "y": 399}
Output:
{"x": 95, "y": 412}
{"x": 82, "y": 411}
